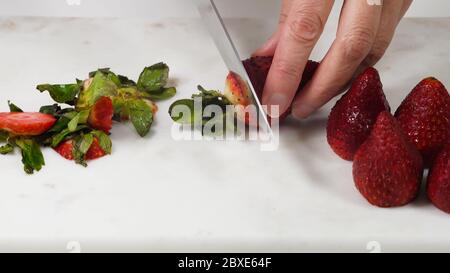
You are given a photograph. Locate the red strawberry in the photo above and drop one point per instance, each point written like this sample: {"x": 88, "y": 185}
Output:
{"x": 95, "y": 151}
{"x": 258, "y": 69}
{"x": 425, "y": 117}
{"x": 65, "y": 149}
{"x": 352, "y": 118}
{"x": 26, "y": 124}
{"x": 101, "y": 114}
{"x": 387, "y": 169}
{"x": 438, "y": 187}
{"x": 236, "y": 90}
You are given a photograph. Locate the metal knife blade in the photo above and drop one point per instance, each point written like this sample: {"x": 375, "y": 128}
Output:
{"x": 216, "y": 26}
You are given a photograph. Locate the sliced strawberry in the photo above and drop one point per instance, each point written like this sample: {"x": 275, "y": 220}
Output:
{"x": 65, "y": 149}
{"x": 236, "y": 90}
{"x": 101, "y": 114}
{"x": 26, "y": 124}
{"x": 95, "y": 151}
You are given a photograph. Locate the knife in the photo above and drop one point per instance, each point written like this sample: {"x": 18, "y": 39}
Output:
{"x": 216, "y": 26}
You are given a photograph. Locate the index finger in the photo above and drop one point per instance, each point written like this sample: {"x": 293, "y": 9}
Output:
{"x": 302, "y": 30}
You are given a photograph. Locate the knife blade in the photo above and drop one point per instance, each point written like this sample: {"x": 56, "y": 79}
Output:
{"x": 227, "y": 49}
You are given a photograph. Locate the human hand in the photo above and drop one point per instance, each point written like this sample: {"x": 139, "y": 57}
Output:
{"x": 364, "y": 33}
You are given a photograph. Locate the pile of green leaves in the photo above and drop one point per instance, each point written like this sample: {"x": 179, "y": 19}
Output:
{"x": 191, "y": 112}
{"x": 132, "y": 101}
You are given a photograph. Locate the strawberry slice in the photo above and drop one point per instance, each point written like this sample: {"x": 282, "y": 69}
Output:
{"x": 26, "y": 124}
{"x": 101, "y": 115}
{"x": 65, "y": 149}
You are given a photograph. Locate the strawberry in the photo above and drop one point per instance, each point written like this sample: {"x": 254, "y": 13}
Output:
{"x": 387, "y": 169}
{"x": 26, "y": 124}
{"x": 95, "y": 151}
{"x": 425, "y": 117}
{"x": 101, "y": 114}
{"x": 438, "y": 187}
{"x": 236, "y": 90}
{"x": 352, "y": 118}
{"x": 65, "y": 149}
{"x": 238, "y": 94}
{"x": 258, "y": 68}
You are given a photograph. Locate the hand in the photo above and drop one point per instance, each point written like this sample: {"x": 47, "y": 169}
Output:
{"x": 364, "y": 33}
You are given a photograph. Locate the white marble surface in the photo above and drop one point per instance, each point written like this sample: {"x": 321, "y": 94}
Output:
{"x": 156, "y": 194}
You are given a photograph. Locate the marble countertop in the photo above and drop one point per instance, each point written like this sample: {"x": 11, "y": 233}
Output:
{"x": 159, "y": 194}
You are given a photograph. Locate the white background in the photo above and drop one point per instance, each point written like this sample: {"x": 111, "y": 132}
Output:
{"x": 175, "y": 8}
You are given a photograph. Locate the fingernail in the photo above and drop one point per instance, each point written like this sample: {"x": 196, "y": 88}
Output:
{"x": 280, "y": 100}
{"x": 301, "y": 111}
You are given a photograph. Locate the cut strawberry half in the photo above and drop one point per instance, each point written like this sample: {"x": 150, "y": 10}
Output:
{"x": 101, "y": 115}
{"x": 26, "y": 124}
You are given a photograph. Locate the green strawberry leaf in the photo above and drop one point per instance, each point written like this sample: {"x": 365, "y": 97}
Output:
{"x": 61, "y": 93}
{"x": 104, "y": 141}
{"x": 101, "y": 86}
{"x": 32, "y": 157}
{"x": 85, "y": 143}
{"x": 153, "y": 78}
{"x": 58, "y": 138}
{"x": 50, "y": 109}
{"x": 3, "y": 136}
{"x": 140, "y": 115}
{"x": 13, "y": 107}
{"x": 6, "y": 149}
{"x": 81, "y": 147}
{"x": 126, "y": 82}
{"x": 207, "y": 97}
{"x": 163, "y": 93}
{"x": 80, "y": 118}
